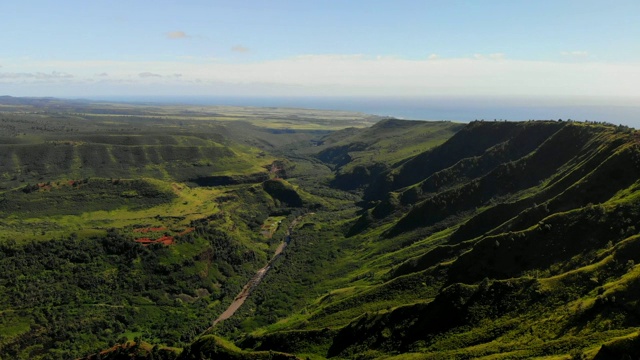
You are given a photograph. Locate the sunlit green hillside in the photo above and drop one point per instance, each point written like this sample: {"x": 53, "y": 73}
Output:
{"x": 126, "y": 230}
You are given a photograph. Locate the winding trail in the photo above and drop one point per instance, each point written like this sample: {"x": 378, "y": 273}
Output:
{"x": 256, "y": 279}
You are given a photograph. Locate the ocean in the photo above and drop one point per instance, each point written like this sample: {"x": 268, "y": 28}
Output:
{"x": 462, "y": 109}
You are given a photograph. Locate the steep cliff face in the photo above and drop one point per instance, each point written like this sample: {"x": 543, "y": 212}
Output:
{"x": 480, "y": 146}
{"x": 359, "y": 157}
{"x": 435, "y": 185}
{"x": 511, "y": 238}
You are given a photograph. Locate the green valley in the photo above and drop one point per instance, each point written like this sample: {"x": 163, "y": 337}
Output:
{"x": 127, "y": 229}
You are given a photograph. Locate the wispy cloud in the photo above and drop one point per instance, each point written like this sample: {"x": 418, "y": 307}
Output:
{"x": 493, "y": 56}
{"x": 53, "y": 75}
{"x": 576, "y": 54}
{"x": 147, "y": 74}
{"x": 343, "y": 74}
{"x": 103, "y": 74}
{"x": 36, "y": 75}
{"x": 14, "y": 75}
{"x": 240, "y": 49}
{"x": 176, "y": 35}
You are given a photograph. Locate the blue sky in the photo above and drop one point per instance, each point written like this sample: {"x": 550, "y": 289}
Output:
{"x": 319, "y": 48}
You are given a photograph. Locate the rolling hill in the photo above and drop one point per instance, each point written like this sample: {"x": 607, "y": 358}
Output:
{"x": 126, "y": 237}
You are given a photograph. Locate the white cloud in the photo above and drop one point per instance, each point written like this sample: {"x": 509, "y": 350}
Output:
{"x": 490, "y": 74}
{"x": 176, "y": 35}
{"x": 147, "y": 74}
{"x": 53, "y": 75}
{"x": 36, "y": 75}
{"x": 433, "y": 57}
{"x": 493, "y": 56}
{"x": 13, "y": 75}
{"x": 240, "y": 49}
{"x": 576, "y": 54}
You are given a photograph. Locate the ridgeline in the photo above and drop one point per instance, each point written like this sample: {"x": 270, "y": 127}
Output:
{"x": 125, "y": 237}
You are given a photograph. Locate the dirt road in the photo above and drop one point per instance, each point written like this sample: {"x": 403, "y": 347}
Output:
{"x": 255, "y": 280}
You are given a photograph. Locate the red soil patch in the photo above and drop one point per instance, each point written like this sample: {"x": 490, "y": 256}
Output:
{"x": 186, "y": 231}
{"x": 164, "y": 240}
{"x": 45, "y": 186}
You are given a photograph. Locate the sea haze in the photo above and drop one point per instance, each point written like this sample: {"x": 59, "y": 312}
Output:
{"x": 624, "y": 111}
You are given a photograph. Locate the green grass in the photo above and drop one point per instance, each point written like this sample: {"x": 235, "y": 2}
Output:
{"x": 490, "y": 240}
{"x": 180, "y": 206}
{"x": 353, "y": 284}
{"x": 13, "y": 325}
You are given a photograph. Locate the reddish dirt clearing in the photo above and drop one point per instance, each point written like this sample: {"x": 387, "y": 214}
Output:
{"x": 165, "y": 240}
{"x": 186, "y": 231}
